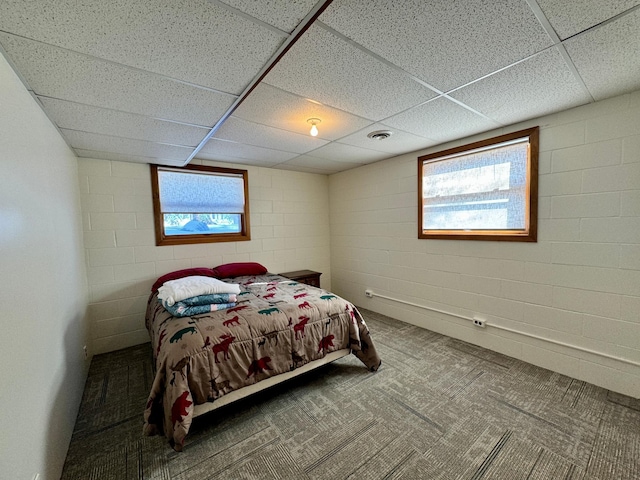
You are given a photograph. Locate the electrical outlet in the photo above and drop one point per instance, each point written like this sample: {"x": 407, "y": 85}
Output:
{"x": 479, "y": 322}
{"x": 86, "y": 352}
{"x": 368, "y": 293}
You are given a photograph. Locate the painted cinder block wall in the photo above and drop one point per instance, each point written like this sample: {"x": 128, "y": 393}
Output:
{"x": 289, "y": 231}
{"x": 579, "y": 284}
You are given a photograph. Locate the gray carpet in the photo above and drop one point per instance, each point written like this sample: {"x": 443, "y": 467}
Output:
{"x": 438, "y": 408}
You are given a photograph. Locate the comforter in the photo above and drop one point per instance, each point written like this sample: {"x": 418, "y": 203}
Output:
{"x": 277, "y": 325}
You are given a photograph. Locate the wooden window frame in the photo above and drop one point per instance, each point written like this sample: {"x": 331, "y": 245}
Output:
{"x": 530, "y": 232}
{"x": 163, "y": 239}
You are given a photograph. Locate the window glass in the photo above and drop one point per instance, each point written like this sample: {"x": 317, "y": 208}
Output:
{"x": 481, "y": 191}
{"x": 200, "y": 204}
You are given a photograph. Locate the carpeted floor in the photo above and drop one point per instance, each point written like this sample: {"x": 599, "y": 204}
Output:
{"x": 438, "y": 408}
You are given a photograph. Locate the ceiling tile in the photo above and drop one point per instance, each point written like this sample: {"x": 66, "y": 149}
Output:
{"x": 319, "y": 165}
{"x": 216, "y": 149}
{"x": 258, "y": 162}
{"x": 325, "y": 68}
{"x": 399, "y": 141}
{"x": 272, "y": 106}
{"x": 283, "y": 14}
{"x": 194, "y": 40}
{"x": 54, "y": 72}
{"x": 251, "y": 133}
{"x": 441, "y": 120}
{"x": 301, "y": 168}
{"x": 76, "y": 116}
{"x": 444, "y": 43}
{"x": 569, "y": 18}
{"x": 513, "y": 94}
{"x": 118, "y": 157}
{"x": 608, "y": 57}
{"x": 347, "y": 153}
{"x": 125, "y": 146}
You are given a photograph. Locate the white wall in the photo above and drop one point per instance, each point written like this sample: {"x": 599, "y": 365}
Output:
{"x": 43, "y": 290}
{"x": 579, "y": 284}
{"x": 289, "y": 231}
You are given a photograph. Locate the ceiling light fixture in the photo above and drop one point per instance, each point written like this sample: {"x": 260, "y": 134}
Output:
{"x": 314, "y": 129}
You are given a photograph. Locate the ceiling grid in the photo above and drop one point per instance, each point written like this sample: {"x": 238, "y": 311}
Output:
{"x": 235, "y": 81}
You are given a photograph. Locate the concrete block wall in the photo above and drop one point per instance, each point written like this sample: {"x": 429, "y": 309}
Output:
{"x": 289, "y": 231}
{"x": 579, "y": 284}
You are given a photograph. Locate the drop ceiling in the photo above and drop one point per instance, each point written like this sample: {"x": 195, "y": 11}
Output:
{"x": 173, "y": 81}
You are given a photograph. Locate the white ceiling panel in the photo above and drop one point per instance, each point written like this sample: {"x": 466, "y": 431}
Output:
{"x": 203, "y": 36}
{"x": 608, "y": 58}
{"x": 569, "y": 18}
{"x": 513, "y": 95}
{"x": 444, "y": 43}
{"x": 243, "y": 131}
{"x": 282, "y": 14}
{"x": 76, "y": 116}
{"x": 260, "y": 162}
{"x": 302, "y": 168}
{"x": 271, "y": 106}
{"x": 216, "y": 149}
{"x": 399, "y": 141}
{"x": 147, "y": 80}
{"x": 125, "y": 146}
{"x": 317, "y": 165}
{"x": 118, "y": 157}
{"x": 325, "y": 68}
{"x": 442, "y": 120}
{"x": 58, "y": 73}
{"x": 347, "y": 153}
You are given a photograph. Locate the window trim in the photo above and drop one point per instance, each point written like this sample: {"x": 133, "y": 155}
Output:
{"x": 158, "y": 220}
{"x": 530, "y": 233}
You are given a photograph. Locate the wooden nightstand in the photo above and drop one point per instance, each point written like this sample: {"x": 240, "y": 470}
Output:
{"x": 308, "y": 277}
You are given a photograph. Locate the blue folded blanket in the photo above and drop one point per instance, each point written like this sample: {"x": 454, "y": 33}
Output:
{"x": 204, "y": 300}
{"x": 178, "y": 310}
{"x": 201, "y": 304}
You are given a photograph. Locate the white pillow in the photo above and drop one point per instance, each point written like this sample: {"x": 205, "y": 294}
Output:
{"x": 175, "y": 290}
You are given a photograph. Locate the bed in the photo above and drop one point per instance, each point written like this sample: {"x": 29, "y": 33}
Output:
{"x": 276, "y": 329}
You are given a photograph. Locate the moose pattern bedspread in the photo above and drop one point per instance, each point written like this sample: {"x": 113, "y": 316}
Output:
{"x": 277, "y": 325}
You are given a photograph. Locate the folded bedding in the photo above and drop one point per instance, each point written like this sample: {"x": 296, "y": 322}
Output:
{"x": 177, "y": 290}
{"x": 179, "y": 309}
{"x": 205, "y": 300}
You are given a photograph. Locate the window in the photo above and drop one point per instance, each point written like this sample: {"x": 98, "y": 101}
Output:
{"x": 198, "y": 204}
{"x": 486, "y": 190}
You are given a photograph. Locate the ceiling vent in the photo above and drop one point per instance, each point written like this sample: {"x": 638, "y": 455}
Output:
{"x": 380, "y": 135}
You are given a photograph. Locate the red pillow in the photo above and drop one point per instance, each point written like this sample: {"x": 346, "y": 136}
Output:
{"x": 187, "y": 272}
{"x": 229, "y": 270}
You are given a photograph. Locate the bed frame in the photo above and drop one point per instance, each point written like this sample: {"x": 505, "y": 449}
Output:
{"x": 268, "y": 382}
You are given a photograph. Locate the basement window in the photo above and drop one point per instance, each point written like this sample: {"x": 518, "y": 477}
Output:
{"x": 486, "y": 190}
{"x": 200, "y": 204}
